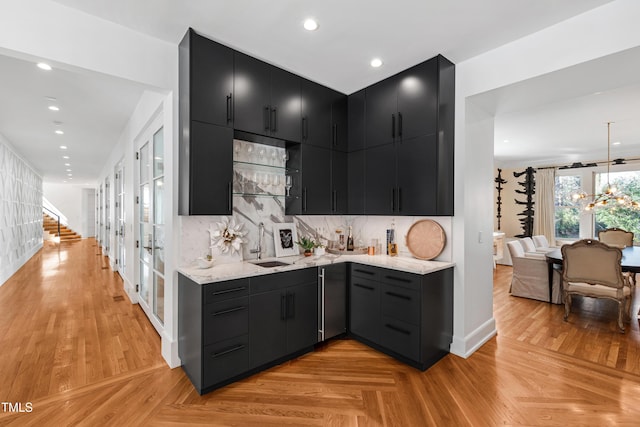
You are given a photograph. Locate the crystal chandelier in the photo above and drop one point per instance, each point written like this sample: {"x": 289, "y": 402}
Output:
{"x": 612, "y": 196}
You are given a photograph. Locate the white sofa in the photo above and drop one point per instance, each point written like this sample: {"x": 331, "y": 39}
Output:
{"x": 531, "y": 275}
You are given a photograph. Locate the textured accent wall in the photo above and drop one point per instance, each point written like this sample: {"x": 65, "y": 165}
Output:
{"x": 20, "y": 211}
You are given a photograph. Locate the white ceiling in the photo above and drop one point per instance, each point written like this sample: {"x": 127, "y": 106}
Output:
{"x": 95, "y": 108}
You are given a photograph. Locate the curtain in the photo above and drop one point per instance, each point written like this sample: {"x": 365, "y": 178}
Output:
{"x": 544, "y": 208}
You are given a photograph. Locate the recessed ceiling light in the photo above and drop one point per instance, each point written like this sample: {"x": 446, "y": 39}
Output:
{"x": 59, "y": 132}
{"x": 67, "y": 164}
{"x": 69, "y": 174}
{"x": 376, "y": 62}
{"x": 65, "y": 157}
{"x": 617, "y": 143}
{"x": 310, "y": 25}
{"x": 63, "y": 147}
{"x": 54, "y": 108}
{"x": 506, "y": 141}
{"x": 68, "y": 170}
{"x": 44, "y": 66}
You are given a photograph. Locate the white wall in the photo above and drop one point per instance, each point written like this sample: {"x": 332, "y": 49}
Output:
{"x": 599, "y": 32}
{"x": 20, "y": 211}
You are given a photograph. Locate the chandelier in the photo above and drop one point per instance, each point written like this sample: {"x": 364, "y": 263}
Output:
{"x": 612, "y": 196}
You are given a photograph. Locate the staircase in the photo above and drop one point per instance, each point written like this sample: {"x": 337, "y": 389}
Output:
{"x": 51, "y": 225}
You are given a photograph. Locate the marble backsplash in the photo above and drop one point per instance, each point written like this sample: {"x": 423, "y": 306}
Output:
{"x": 259, "y": 188}
{"x": 251, "y": 211}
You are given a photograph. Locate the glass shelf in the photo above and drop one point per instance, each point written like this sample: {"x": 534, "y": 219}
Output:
{"x": 263, "y": 166}
{"x": 258, "y": 195}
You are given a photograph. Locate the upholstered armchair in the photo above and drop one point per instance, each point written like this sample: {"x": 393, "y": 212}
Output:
{"x": 530, "y": 247}
{"x": 592, "y": 269}
{"x": 541, "y": 243}
{"x": 530, "y": 277}
{"x": 616, "y": 237}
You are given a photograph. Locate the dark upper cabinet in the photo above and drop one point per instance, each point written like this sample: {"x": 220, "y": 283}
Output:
{"x": 403, "y": 106}
{"x": 339, "y": 122}
{"x": 205, "y": 153}
{"x": 211, "y": 80}
{"x": 381, "y": 112}
{"x": 267, "y": 99}
{"x": 409, "y": 140}
{"x": 380, "y": 180}
{"x": 339, "y": 186}
{"x": 206, "y": 170}
{"x": 316, "y": 114}
{"x": 356, "y": 117}
{"x": 418, "y": 100}
{"x": 316, "y": 180}
{"x": 356, "y": 182}
{"x": 417, "y": 185}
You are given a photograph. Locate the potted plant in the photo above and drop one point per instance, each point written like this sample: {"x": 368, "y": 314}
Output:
{"x": 307, "y": 244}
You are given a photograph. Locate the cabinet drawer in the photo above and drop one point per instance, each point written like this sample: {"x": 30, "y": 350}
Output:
{"x": 225, "y": 319}
{"x": 400, "y": 303}
{"x": 220, "y": 291}
{"x": 275, "y": 281}
{"x": 400, "y": 337}
{"x": 401, "y": 278}
{"x": 225, "y": 360}
{"x": 365, "y": 271}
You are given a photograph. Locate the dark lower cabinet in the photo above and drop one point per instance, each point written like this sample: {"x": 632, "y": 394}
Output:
{"x": 408, "y": 316}
{"x": 364, "y": 304}
{"x": 213, "y": 328}
{"x": 283, "y": 317}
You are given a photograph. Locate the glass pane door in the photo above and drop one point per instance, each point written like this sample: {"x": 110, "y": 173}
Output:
{"x": 152, "y": 227}
{"x": 120, "y": 221}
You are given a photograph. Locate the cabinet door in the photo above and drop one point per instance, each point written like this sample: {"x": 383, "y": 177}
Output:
{"x": 211, "y": 170}
{"x": 267, "y": 327}
{"x": 285, "y": 105}
{"x": 381, "y": 112}
{"x": 380, "y": 179}
{"x": 418, "y": 100}
{"x": 339, "y": 121}
{"x": 316, "y": 180}
{"x": 364, "y": 304}
{"x": 417, "y": 176}
{"x": 302, "y": 316}
{"x": 356, "y": 116}
{"x": 316, "y": 114}
{"x": 339, "y": 182}
{"x": 252, "y": 95}
{"x": 211, "y": 71}
{"x": 356, "y": 182}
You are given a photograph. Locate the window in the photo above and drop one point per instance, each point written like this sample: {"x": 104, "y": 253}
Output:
{"x": 567, "y": 215}
{"x": 627, "y": 219}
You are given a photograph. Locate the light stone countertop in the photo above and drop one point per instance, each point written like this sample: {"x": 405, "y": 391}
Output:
{"x": 243, "y": 269}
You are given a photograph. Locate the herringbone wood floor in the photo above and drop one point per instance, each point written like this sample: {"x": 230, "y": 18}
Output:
{"x": 82, "y": 357}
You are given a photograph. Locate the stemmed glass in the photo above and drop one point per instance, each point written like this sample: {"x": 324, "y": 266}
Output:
{"x": 274, "y": 155}
{"x": 237, "y": 146}
{"x": 249, "y": 152}
{"x": 288, "y": 184}
{"x": 285, "y": 157}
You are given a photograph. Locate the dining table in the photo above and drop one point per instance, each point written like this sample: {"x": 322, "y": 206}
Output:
{"x": 630, "y": 262}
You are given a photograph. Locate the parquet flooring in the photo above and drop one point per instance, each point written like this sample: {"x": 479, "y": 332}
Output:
{"x": 82, "y": 358}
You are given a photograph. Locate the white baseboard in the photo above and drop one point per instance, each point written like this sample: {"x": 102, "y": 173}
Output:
{"x": 170, "y": 351}
{"x": 465, "y": 347}
{"x": 12, "y": 268}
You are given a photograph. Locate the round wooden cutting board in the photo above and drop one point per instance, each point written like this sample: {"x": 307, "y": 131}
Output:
{"x": 426, "y": 239}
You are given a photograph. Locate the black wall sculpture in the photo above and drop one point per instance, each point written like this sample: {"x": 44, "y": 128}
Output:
{"x": 499, "y": 181}
{"x": 529, "y": 185}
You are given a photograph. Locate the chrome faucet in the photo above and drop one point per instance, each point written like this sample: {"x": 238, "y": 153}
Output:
{"x": 258, "y": 249}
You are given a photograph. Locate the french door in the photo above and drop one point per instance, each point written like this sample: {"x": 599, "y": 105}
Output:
{"x": 151, "y": 225}
{"x": 120, "y": 219}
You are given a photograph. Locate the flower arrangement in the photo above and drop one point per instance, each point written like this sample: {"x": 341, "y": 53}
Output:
{"x": 228, "y": 236}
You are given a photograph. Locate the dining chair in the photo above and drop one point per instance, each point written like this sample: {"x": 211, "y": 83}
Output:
{"x": 542, "y": 243}
{"x": 616, "y": 237}
{"x": 530, "y": 276}
{"x": 530, "y": 247}
{"x": 619, "y": 238}
{"x": 592, "y": 269}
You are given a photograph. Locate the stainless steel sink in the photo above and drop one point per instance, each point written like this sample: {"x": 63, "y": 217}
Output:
{"x": 269, "y": 264}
